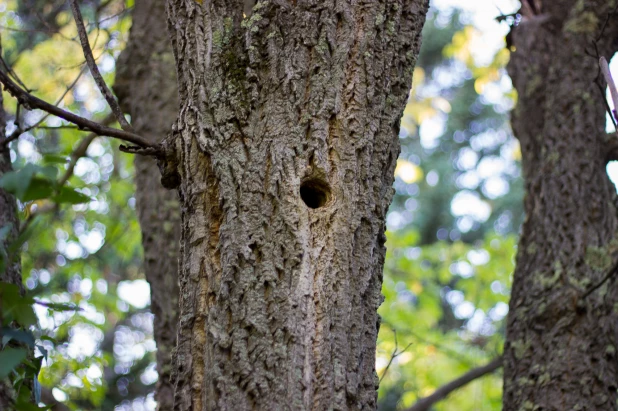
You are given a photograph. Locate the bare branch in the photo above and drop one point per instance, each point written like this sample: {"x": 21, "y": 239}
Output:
{"x": 4, "y": 144}
{"x": 31, "y": 102}
{"x": 426, "y": 403}
{"x": 94, "y": 69}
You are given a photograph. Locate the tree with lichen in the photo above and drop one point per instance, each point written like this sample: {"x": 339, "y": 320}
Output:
{"x": 287, "y": 143}
{"x": 561, "y": 333}
{"x": 284, "y": 151}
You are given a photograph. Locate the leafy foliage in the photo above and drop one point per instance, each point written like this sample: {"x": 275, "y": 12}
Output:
{"x": 451, "y": 239}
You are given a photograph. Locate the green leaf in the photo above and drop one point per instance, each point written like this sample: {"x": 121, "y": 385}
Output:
{"x": 27, "y": 186}
{"x": 17, "y": 182}
{"x": 9, "y": 359}
{"x": 43, "y": 351}
{"x": 25, "y": 316}
{"x": 50, "y": 172}
{"x": 54, "y": 159}
{"x": 37, "y": 390}
{"x": 70, "y": 196}
{"x": 24, "y": 402}
{"x": 34, "y": 365}
{"x": 23, "y": 405}
{"x": 38, "y": 189}
{"x": 15, "y": 307}
{"x": 24, "y": 236}
{"x": 10, "y": 334}
{"x": 50, "y": 339}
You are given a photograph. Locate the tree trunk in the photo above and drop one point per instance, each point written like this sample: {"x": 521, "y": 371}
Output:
{"x": 560, "y": 352}
{"x": 286, "y": 145}
{"x": 12, "y": 264}
{"x": 147, "y": 89}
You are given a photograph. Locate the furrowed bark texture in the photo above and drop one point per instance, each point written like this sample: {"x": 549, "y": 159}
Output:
{"x": 279, "y": 299}
{"x": 560, "y": 352}
{"x": 8, "y": 216}
{"x": 146, "y": 86}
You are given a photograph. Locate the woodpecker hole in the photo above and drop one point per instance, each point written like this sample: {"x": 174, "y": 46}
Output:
{"x": 315, "y": 193}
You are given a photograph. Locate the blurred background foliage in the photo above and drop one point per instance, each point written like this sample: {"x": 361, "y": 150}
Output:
{"x": 451, "y": 234}
{"x": 452, "y": 228}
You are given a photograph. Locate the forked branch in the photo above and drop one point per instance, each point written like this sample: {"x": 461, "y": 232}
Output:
{"x": 94, "y": 69}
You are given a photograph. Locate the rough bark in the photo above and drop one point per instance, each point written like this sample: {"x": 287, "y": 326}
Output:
{"x": 8, "y": 216}
{"x": 286, "y": 143}
{"x": 146, "y": 87}
{"x": 560, "y": 352}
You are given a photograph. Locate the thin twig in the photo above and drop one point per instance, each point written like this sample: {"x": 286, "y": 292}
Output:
{"x": 16, "y": 122}
{"x": 43, "y": 21}
{"x": 58, "y": 101}
{"x": 102, "y": 6}
{"x": 394, "y": 355}
{"x": 426, "y": 403}
{"x": 449, "y": 352}
{"x": 94, "y": 69}
{"x": 80, "y": 151}
{"x": 597, "y": 81}
{"x": 29, "y": 101}
{"x": 12, "y": 73}
{"x": 19, "y": 130}
{"x": 609, "y": 16}
{"x": 113, "y": 16}
{"x": 610, "y": 83}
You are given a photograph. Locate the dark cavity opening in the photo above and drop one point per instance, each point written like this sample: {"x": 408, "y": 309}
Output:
{"x": 315, "y": 193}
